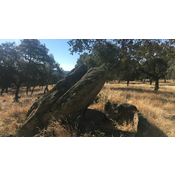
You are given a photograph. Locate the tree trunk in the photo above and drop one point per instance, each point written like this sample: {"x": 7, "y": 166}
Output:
{"x": 6, "y": 89}
{"x": 2, "y": 90}
{"x": 46, "y": 89}
{"x": 127, "y": 82}
{"x": 156, "y": 84}
{"x": 32, "y": 90}
{"x": 151, "y": 81}
{"x": 164, "y": 80}
{"x": 17, "y": 92}
{"x": 27, "y": 90}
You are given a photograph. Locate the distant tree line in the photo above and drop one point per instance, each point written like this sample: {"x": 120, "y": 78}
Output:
{"x": 128, "y": 59}
{"x": 28, "y": 64}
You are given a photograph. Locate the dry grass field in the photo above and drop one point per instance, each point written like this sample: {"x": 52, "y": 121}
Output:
{"x": 158, "y": 108}
{"x": 12, "y": 114}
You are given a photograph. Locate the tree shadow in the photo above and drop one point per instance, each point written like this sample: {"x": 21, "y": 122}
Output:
{"x": 96, "y": 123}
{"x": 168, "y": 84}
{"x": 168, "y": 94}
{"x": 164, "y": 100}
{"x": 152, "y": 131}
{"x": 155, "y": 132}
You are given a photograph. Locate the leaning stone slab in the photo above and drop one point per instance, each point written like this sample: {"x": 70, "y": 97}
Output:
{"x": 47, "y": 100}
{"x": 69, "y": 103}
{"x": 77, "y": 99}
{"x": 44, "y": 103}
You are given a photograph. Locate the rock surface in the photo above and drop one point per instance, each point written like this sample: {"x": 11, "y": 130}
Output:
{"x": 90, "y": 120}
{"x": 69, "y": 98}
{"x": 76, "y": 100}
{"x": 110, "y": 107}
{"x": 126, "y": 112}
{"x": 47, "y": 100}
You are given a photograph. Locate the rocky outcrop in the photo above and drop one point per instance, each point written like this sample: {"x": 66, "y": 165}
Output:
{"x": 47, "y": 100}
{"x": 76, "y": 100}
{"x": 99, "y": 98}
{"x": 111, "y": 107}
{"x": 91, "y": 120}
{"x": 126, "y": 112}
{"x": 63, "y": 110}
{"x": 68, "y": 99}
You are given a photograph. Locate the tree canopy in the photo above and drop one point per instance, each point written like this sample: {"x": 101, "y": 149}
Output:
{"x": 127, "y": 59}
{"x": 27, "y": 64}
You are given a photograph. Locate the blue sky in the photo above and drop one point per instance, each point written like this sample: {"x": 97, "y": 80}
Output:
{"x": 59, "y": 48}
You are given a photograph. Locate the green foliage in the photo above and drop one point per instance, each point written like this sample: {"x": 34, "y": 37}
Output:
{"x": 80, "y": 45}
{"x": 171, "y": 69}
{"x": 128, "y": 59}
{"x": 152, "y": 57}
{"x": 128, "y": 70}
{"x": 104, "y": 54}
{"x": 28, "y": 64}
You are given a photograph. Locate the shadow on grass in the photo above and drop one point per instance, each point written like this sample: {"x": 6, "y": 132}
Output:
{"x": 93, "y": 125}
{"x": 167, "y": 94}
{"x": 152, "y": 131}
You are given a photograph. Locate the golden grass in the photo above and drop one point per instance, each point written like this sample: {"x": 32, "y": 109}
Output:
{"x": 12, "y": 114}
{"x": 157, "y": 108}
